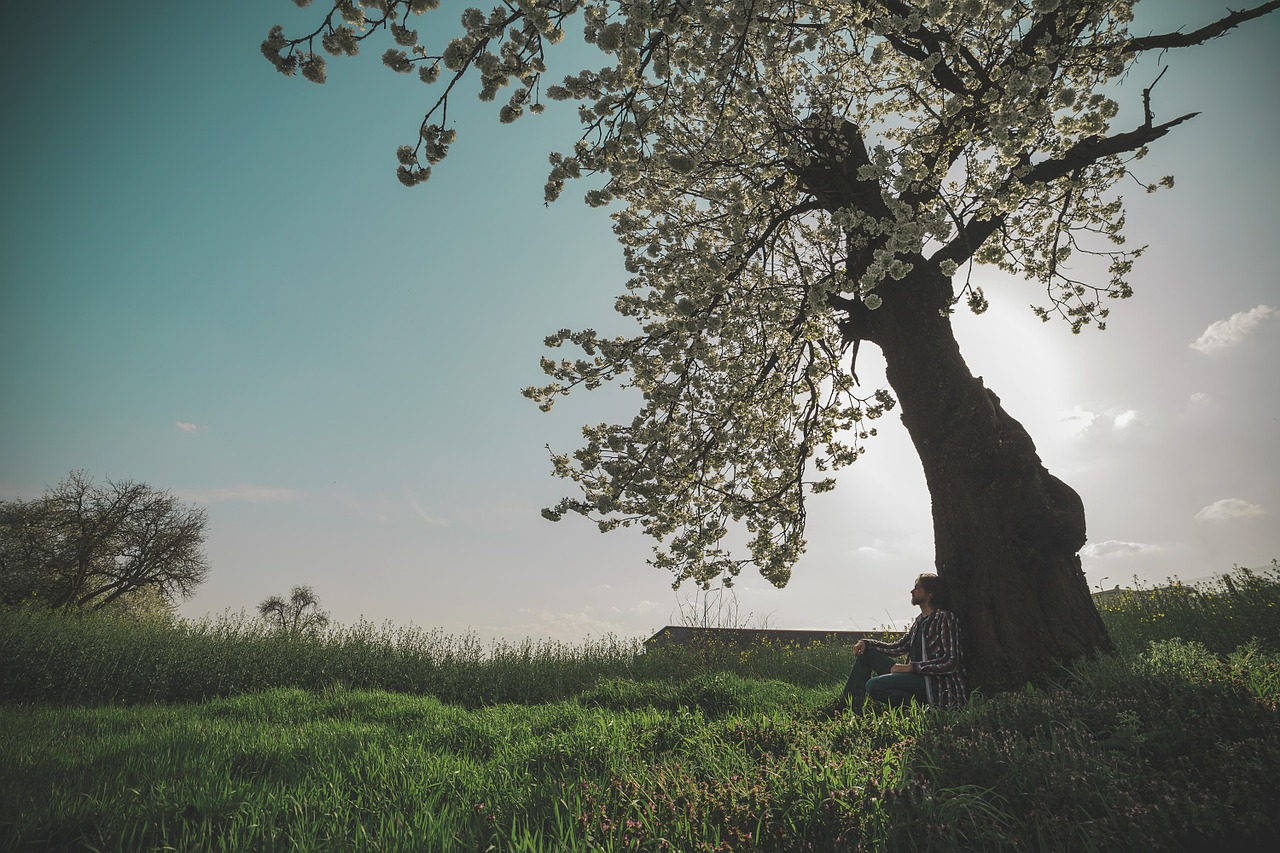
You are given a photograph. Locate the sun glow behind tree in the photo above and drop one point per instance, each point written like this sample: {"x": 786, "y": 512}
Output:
{"x": 792, "y": 179}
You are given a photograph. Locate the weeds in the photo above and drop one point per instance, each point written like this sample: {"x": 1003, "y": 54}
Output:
{"x": 375, "y": 738}
{"x": 1223, "y": 614}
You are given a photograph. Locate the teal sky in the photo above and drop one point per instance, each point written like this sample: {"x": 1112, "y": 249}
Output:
{"x": 212, "y": 282}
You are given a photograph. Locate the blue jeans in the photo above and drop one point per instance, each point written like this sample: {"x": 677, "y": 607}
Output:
{"x": 870, "y": 677}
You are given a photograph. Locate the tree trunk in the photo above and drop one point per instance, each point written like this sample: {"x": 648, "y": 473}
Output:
{"x": 1006, "y": 531}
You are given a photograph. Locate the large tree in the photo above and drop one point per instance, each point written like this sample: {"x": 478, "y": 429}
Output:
{"x": 85, "y": 545}
{"x": 792, "y": 179}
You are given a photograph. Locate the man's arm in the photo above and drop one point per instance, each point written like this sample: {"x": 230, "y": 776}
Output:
{"x": 894, "y": 649}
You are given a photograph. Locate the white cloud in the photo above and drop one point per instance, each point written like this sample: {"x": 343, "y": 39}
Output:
{"x": 241, "y": 494}
{"x": 645, "y": 606}
{"x": 1231, "y": 331}
{"x": 1078, "y": 420}
{"x": 186, "y": 426}
{"x": 1201, "y": 410}
{"x": 1081, "y": 422}
{"x": 1228, "y": 508}
{"x": 1116, "y": 548}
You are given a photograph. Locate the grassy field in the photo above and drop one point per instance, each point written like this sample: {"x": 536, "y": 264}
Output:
{"x": 116, "y": 735}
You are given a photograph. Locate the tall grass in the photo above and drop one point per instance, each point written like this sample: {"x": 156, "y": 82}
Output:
{"x": 97, "y": 659}
{"x": 313, "y": 744}
{"x": 1222, "y": 614}
{"x": 94, "y": 658}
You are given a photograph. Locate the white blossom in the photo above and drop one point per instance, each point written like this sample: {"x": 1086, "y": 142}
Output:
{"x": 770, "y": 167}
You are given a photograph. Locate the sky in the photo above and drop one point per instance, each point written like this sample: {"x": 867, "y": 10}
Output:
{"x": 211, "y": 281}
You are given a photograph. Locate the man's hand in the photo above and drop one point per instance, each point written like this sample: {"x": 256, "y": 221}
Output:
{"x": 859, "y": 647}
{"x": 900, "y": 667}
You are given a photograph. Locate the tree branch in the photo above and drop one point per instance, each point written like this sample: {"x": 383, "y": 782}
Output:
{"x": 1082, "y": 154}
{"x": 1218, "y": 28}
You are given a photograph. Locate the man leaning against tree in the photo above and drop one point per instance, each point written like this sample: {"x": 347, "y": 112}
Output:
{"x": 934, "y": 671}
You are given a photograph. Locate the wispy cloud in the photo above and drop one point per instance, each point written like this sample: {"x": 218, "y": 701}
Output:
{"x": 1229, "y": 508}
{"x": 420, "y": 512}
{"x": 1231, "y": 331}
{"x": 1125, "y": 419}
{"x": 241, "y": 494}
{"x": 388, "y": 509}
{"x": 1080, "y": 421}
{"x": 187, "y": 426}
{"x": 1116, "y": 548}
{"x": 378, "y": 509}
{"x": 562, "y": 626}
{"x": 644, "y": 607}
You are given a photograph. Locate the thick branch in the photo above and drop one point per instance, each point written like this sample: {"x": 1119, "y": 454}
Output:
{"x": 1082, "y": 154}
{"x": 832, "y": 177}
{"x": 1212, "y": 31}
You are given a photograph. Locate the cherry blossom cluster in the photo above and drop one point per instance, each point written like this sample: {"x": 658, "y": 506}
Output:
{"x": 781, "y": 172}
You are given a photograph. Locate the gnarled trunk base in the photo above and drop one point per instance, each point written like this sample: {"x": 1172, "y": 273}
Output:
{"x": 1006, "y": 531}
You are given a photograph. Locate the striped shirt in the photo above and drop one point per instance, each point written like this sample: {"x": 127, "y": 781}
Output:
{"x": 939, "y": 662}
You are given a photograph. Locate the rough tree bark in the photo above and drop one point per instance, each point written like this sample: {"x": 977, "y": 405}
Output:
{"x": 1006, "y": 531}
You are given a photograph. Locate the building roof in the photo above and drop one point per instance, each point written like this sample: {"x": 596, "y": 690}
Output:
{"x": 683, "y": 634}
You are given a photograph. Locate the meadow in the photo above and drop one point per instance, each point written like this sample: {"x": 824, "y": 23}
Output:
{"x": 223, "y": 735}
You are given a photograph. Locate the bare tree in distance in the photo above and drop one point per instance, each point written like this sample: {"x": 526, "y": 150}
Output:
{"x": 84, "y": 545}
{"x": 715, "y": 607}
{"x": 791, "y": 180}
{"x": 300, "y": 614}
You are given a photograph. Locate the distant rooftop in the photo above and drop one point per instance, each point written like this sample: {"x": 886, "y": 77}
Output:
{"x": 673, "y": 635}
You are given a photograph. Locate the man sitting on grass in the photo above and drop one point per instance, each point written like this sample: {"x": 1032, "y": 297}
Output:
{"x": 933, "y": 671}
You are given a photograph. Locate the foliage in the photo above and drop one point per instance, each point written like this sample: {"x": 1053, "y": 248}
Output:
{"x": 1223, "y": 613}
{"x": 791, "y": 178}
{"x": 301, "y": 614}
{"x": 143, "y": 603}
{"x": 84, "y": 545}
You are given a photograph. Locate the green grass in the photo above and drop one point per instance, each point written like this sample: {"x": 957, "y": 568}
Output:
{"x": 95, "y": 659}
{"x": 324, "y": 744}
{"x": 1222, "y": 614}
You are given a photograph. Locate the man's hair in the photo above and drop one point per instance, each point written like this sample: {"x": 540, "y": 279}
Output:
{"x": 937, "y": 587}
